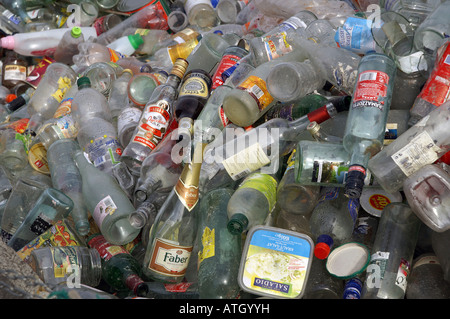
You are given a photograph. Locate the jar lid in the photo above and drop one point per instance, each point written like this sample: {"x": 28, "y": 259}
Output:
{"x": 374, "y": 199}
{"x": 348, "y": 260}
{"x": 37, "y": 157}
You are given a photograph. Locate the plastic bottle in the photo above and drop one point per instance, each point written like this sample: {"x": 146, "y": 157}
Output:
{"x": 127, "y": 45}
{"x": 219, "y": 250}
{"x": 251, "y": 203}
{"x": 366, "y": 122}
{"x": 392, "y": 253}
{"x": 332, "y": 220}
{"x": 40, "y": 43}
{"x": 400, "y": 159}
{"x": 118, "y": 95}
{"x": 92, "y": 52}
{"x": 68, "y": 46}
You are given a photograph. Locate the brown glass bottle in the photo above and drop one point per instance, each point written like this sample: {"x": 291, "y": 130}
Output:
{"x": 14, "y": 69}
{"x": 193, "y": 95}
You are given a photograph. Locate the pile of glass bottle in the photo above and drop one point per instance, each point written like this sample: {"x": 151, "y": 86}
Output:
{"x": 152, "y": 151}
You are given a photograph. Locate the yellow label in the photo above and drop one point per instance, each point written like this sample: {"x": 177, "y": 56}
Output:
{"x": 208, "y": 242}
{"x": 264, "y": 183}
{"x": 182, "y": 50}
{"x": 195, "y": 85}
{"x": 64, "y": 83}
{"x": 258, "y": 89}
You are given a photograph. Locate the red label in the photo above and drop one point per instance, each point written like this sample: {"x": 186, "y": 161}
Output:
{"x": 105, "y": 249}
{"x": 371, "y": 85}
{"x": 437, "y": 88}
{"x": 379, "y": 201}
{"x": 227, "y": 62}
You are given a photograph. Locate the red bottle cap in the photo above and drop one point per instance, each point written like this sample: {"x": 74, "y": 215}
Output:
{"x": 321, "y": 250}
{"x": 10, "y": 97}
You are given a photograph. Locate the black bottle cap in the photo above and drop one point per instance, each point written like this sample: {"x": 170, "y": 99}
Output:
{"x": 354, "y": 181}
{"x": 15, "y": 104}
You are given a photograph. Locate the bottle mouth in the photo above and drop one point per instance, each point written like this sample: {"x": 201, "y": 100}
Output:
{"x": 354, "y": 182}
{"x": 237, "y": 224}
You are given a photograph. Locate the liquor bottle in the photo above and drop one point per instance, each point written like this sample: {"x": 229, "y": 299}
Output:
{"x": 230, "y": 57}
{"x": 66, "y": 177}
{"x": 366, "y": 122}
{"x": 392, "y": 253}
{"x": 108, "y": 203}
{"x": 172, "y": 238}
{"x": 290, "y": 81}
{"x": 19, "y": 7}
{"x": 96, "y": 135}
{"x": 51, "y": 206}
{"x": 120, "y": 270}
{"x": 320, "y": 135}
{"x": 155, "y": 120}
{"x": 251, "y": 203}
{"x": 427, "y": 279}
{"x": 127, "y": 121}
{"x": 158, "y": 170}
{"x": 14, "y": 69}
{"x": 420, "y": 145}
{"x": 219, "y": 250}
{"x": 332, "y": 220}
{"x": 263, "y": 145}
{"x": 6, "y": 110}
{"x": 68, "y": 46}
{"x": 192, "y": 97}
{"x": 295, "y": 198}
{"x": 427, "y": 191}
{"x": 434, "y": 91}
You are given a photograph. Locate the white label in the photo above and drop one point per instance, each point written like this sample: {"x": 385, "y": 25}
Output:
{"x": 418, "y": 153}
{"x": 104, "y": 208}
{"x": 128, "y": 116}
{"x": 248, "y": 160}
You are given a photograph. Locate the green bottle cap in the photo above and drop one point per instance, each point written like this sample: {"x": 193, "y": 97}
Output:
{"x": 83, "y": 81}
{"x": 135, "y": 40}
{"x": 237, "y": 224}
{"x": 76, "y": 32}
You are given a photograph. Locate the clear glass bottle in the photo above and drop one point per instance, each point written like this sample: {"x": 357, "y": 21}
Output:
{"x": 171, "y": 240}
{"x": 434, "y": 91}
{"x": 120, "y": 270}
{"x": 228, "y": 10}
{"x": 118, "y": 96}
{"x": 230, "y": 57}
{"x": 66, "y": 177}
{"x": 201, "y": 13}
{"x": 439, "y": 245}
{"x": 219, "y": 250}
{"x": 155, "y": 120}
{"x": 102, "y": 75}
{"x": 366, "y": 122}
{"x": 251, "y": 203}
{"x": 108, "y": 203}
{"x": 322, "y": 285}
{"x": 70, "y": 265}
{"x": 127, "y": 121}
{"x": 392, "y": 253}
{"x": 142, "y": 84}
{"x": 51, "y": 206}
{"x": 420, "y": 145}
{"x": 332, "y": 220}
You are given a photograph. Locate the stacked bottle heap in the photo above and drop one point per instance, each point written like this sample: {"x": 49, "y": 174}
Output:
{"x": 232, "y": 149}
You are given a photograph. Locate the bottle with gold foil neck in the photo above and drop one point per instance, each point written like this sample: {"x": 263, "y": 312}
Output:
{"x": 165, "y": 57}
{"x": 155, "y": 120}
{"x": 173, "y": 234}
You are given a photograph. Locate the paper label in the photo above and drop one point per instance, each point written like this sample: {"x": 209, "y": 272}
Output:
{"x": 208, "y": 243}
{"x": 106, "y": 207}
{"x": 258, "y": 89}
{"x": 106, "y": 249}
{"x": 64, "y": 259}
{"x": 153, "y": 124}
{"x": 128, "y": 116}
{"x": 276, "y": 45}
{"x": 195, "y": 84}
{"x": 14, "y": 72}
{"x": 169, "y": 258}
{"x": 420, "y": 151}
{"x": 246, "y": 161}
{"x": 265, "y": 184}
{"x": 356, "y": 35}
{"x": 226, "y": 62}
{"x": 403, "y": 272}
{"x": 371, "y": 86}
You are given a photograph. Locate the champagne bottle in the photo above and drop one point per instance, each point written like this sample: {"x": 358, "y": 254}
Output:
{"x": 107, "y": 202}
{"x": 172, "y": 237}
{"x": 155, "y": 120}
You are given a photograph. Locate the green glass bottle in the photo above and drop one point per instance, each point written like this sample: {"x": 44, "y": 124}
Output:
{"x": 219, "y": 250}
{"x": 120, "y": 269}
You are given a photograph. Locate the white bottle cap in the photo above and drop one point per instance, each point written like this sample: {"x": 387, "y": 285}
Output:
{"x": 348, "y": 260}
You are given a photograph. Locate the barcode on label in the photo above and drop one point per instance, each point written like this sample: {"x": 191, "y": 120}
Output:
{"x": 257, "y": 91}
{"x": 368, "y": 76}
{"x": 241, "y": 174}
{"x": 108, "y": 202}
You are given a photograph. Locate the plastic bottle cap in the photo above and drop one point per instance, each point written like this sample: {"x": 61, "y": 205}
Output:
{"x": 10, "y": 97}
{"x": 135, "y": 40}
{"x": 237, "y": 224}
{"x": 348, "y": 260}
{"x": 84, "y": 80}
{"x": 7, "y": 42}
{"x": 321, "y": 250}
{"x": 76, "y": 32}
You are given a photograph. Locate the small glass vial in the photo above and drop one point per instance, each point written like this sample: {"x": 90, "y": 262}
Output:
{"x": 70, "y": 264}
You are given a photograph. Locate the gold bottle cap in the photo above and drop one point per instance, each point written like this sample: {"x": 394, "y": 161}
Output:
{"x": 313, "y": 127}
{"x": 128, "y": 70}
{"x": 179, "y": 67}
{"x": 37, "y": 157}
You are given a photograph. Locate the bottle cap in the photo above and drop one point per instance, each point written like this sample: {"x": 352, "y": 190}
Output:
{"x": 322, "y": 250}
{"x": 348, "y": 260}
{"x": 10, "y": 97}
{"x": 313, "y": 127}
{"x": 76, "y": 32}
{"x": 354, "y": 182}
{"x": 127, "y": 71}
{"x": 237, "y": 224}
{"x": 135, "y": 40}
{"x": 179, "y": 67}
{"x": 83, "y": 81}
{"x": 7, "y": 42}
